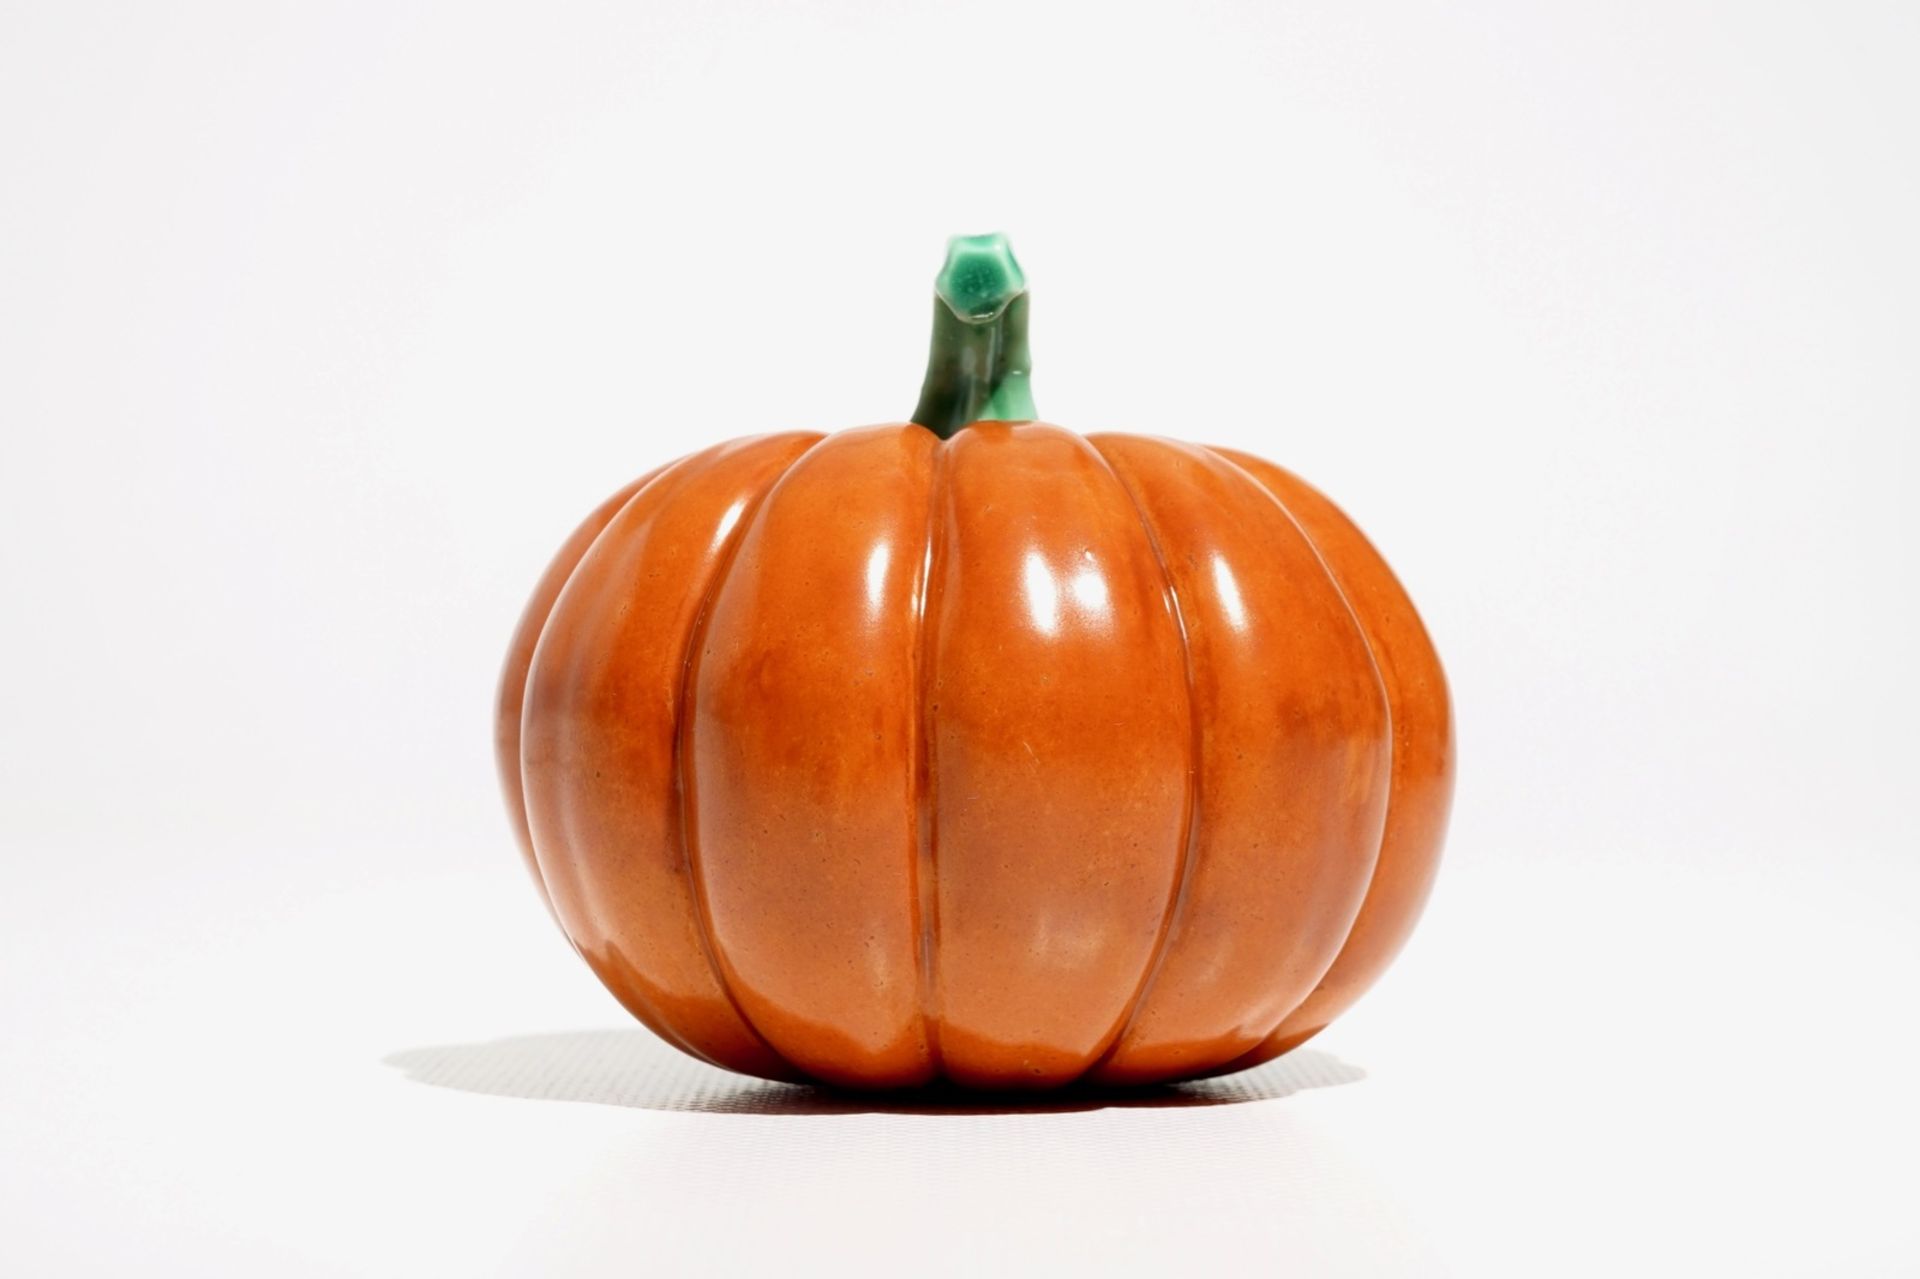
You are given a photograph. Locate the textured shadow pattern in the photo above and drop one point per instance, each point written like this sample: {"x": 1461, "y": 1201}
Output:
{"x": 633, "y": 1068}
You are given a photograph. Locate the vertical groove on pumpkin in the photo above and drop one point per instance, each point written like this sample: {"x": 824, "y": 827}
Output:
{"x": 1190, "y": 822}
{"x": 1268, "y": 1048}
{"x": 683, "y": 773}
{"x": 925, "y": 870}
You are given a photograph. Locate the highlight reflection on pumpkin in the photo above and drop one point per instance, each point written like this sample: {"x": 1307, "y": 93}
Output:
{"x": 972, "y": 749}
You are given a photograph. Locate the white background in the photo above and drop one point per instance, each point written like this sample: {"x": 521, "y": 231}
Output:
{"x": 320, "y": 326}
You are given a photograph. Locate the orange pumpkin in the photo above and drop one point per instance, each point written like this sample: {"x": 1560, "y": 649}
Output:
{"x": 975, "y": 750}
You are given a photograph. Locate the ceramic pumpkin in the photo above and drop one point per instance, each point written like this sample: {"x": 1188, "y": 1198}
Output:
{"x": 972, "y": 750}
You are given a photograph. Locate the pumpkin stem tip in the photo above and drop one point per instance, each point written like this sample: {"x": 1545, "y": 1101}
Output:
{"x": 981, "y": 276}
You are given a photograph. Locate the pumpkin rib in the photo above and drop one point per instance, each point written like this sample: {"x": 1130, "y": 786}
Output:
{"x": 1421, "y": 796}
{"x": 649, "y": 1018}
{"x": 1255, "y": 934}
{"x": 926, "y": 882}
{"x": 606, "y": 964}
{"x": 1253, "y": 1056}
{"x": 1190, "y": 822}
{"x": 801, "y": 747}
{"x": 510, "y": 699}
{"x": 683, "y": 781}
{"x": 1060, "y": 757}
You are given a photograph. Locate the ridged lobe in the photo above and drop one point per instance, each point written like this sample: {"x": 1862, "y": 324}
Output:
{"x": 1423, "y": 758}
{"x": 800, "y": 749}
{"x": 683, "y": 773}
{"x": 511, "y": 698}
{"x": 1292, "y": 739}
{"x": 599, "y": 728}
{"x": 1059, "y": 742}
{"x": 1190, "y": 822}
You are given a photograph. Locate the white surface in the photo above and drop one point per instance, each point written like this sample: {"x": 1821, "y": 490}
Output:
{"x": 320, "y": 326}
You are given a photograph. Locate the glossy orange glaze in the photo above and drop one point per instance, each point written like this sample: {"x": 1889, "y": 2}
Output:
{"x": 1011, "y": 760}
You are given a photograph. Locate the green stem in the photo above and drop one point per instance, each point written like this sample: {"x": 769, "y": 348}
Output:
{"x": 979, "y": 368}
